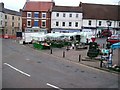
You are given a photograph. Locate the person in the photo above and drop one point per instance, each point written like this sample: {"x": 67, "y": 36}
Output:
{"x": 73, "y": 45}
{"x": 110, "y": 60}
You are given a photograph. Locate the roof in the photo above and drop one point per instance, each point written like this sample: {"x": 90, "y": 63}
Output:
{"x": 67, "y": 9}
{"x": 12, "y": 12}
{"x": 37, "y": 6}
{"x": 100, "y": 11}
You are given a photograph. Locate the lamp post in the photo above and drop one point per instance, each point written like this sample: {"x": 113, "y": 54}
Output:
{"x": 108, "y": 24}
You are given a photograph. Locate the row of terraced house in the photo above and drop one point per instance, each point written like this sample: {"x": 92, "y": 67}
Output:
{"x": 39, "y": 16}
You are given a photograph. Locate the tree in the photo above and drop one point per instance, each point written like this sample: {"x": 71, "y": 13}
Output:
{"x": 93, "y": 50}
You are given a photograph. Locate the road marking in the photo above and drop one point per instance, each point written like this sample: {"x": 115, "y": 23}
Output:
{"x": 17, "y": 69}
{"x": 53, "y": 86}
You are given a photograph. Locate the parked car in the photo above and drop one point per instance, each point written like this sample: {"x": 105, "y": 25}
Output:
{"x": 6, "y": 36}
{"x": 106, "y": 33}
{"x": 113, "y": 39}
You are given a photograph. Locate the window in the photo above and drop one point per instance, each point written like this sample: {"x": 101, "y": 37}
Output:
{"x": 76, "y": 24}
{"x": 57, "y": 14}
{"x": 119, "y": 24}
{"x": 18, "y": 18}
{"x": 110, "y": 23}
{"x": 43, "y": 15}
{"x": 36, "y": 23}
{"x": 12, "y": 31}
{"x": 6, "y": 31}
{"x": 5, "y": 16}
{"x": 70, "y": 24}
{"x": 70, "y": 15}
{"x": 100, "y": 23}
{"x": 63, "y": 23}
{"x": 36, "y": 14}
{"x": 76, "y": 15}
{"x": 89, "y": 23}
{"x": 12, "y": 24}
{"x": 57, "y": 23}
{"x": 63, "y": 14}
{"x": 28, "y": 23}
{"x": 18, "y": 24}
{"x": 43, "y": 23}
{"x": 5, "y": 23}
{"x": 12, "y": 17}
{"x": 1, "y": 22}
{"x": 29, "y": 14}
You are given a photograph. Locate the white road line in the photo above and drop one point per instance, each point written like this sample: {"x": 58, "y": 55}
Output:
{"x": 17, "y": 69}
{"x": 53, "y": 86}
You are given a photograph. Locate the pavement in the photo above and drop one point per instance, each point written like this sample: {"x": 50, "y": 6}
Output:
{"x": 79, "y": 56}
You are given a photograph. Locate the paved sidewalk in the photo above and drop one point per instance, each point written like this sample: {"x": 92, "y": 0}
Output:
{"x": 73, "y": 55}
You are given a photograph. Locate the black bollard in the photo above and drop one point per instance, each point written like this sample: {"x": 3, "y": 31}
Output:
{"x": 101, "y": 61}
{"x": 63, "y": 54}
{"x": 79, "y": 58}
{"x": 50, "y": 51}
{"x": 103, "y": 45}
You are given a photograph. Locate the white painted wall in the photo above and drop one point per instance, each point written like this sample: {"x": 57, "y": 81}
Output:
{"x": 66, "y": 19}
{"x": 86, "y": 21}
{"x": 94, "y": 23}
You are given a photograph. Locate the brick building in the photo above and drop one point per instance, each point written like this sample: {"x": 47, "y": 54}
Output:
{"x": 36, "y": 16}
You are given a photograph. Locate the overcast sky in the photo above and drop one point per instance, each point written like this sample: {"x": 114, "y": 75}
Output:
{"x": 18, "y": 4}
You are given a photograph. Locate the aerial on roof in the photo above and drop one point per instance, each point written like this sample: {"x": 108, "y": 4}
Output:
{"x": 67, "y": 9}
{"x": 100, "y": 11}
{"x": 37, "y": 6}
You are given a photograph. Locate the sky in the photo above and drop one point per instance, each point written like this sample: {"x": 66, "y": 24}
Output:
{"x": 18, "y": 4}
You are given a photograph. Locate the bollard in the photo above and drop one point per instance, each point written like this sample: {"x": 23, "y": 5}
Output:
{"x": 50, "y": 51}
{"x": 103, "y": 45}
{"x": 79, "y": 58}
{"x": 101, "y": 61}
{"x": 63, "y": 54}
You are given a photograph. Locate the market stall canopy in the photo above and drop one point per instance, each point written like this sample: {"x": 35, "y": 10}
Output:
{"x": 70, "y": 34}
{"x": 54, "y": 35}
{"x": 115, "y": 45}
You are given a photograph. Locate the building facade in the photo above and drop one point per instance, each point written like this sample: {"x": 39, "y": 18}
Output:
{"x": 66, "y": 19}
{"x": 10, "y": 22}
{"x": 36, "y": 16}
{"x": 98, "y": 17}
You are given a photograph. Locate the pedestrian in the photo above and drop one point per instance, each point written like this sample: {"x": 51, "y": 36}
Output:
{"x": 73, "y": 45}
{"x": 110, "y": 60}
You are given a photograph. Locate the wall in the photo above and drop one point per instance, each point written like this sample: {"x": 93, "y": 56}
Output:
{"x": 66, "y": 19}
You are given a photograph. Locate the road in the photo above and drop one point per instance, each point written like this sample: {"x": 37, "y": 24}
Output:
{"x": 24, "y": 67}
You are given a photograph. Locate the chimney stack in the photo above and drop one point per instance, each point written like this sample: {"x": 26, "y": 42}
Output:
{"x": 1, "y": 6}
{"x": 27, "y": 0}
{"x": 80, "y": 5}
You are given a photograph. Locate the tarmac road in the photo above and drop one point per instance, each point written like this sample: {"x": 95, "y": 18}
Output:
{"x": 24, "y": 67}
